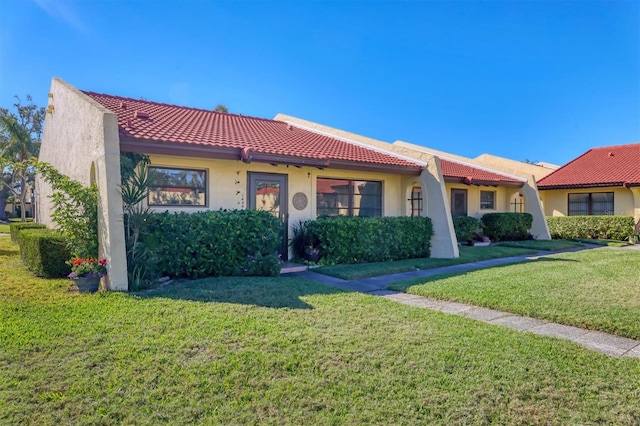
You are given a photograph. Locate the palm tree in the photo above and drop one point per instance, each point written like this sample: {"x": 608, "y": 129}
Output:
{"x": 16, "y": 150}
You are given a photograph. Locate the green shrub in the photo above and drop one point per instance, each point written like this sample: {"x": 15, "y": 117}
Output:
{"x": 507, "y": 226}
{"x": 44, "y": 252}
{"x": 466, "y": 227}
{"x": 598, "y": 227}
{"x": 370, "y": 239}
{"x": 16, "y": 227}
{"x": 215, "y": 243}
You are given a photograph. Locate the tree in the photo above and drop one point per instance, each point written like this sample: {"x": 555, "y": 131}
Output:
{"x": 221, "y": 108}
{"x": 20, "y": 134}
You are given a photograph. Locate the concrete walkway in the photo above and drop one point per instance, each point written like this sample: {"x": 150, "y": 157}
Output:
{"x": 377, "y": 286}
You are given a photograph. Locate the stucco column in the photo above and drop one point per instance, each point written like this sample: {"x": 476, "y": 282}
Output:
{"x": 635, "y": 190}
{"x": 110, "y": 215}
{"x": 533, "y": 206}
{"x": 444, "y": 243}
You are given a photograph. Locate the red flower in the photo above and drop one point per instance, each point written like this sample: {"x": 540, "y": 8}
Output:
{"x": 103, "y": 262}
{"x": 78, "y": 261}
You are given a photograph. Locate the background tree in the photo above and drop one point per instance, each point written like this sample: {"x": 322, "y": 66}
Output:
{"x": 20, "y": 134}
{"x": 221, "y": 108}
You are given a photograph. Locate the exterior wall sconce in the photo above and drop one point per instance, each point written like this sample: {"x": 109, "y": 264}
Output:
{"x": 50, "y": 109}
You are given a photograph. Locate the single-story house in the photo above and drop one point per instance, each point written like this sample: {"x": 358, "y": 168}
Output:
{"x": 602, "y": 181}
{"x": 207, "y": 160}
{"x": 472, "y": 187}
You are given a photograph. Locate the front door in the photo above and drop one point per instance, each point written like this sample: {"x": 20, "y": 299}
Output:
{"x": 458, "y": 202}
{"x": 268, "y": 191}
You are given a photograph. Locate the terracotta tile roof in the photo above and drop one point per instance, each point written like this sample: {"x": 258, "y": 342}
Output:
{"x": 454, "y": 171}
{"x": 249, "y": 137}
{"x": 606, "y": 166}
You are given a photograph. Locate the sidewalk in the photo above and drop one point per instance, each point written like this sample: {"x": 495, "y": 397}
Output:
{"x": 377, "y": 286}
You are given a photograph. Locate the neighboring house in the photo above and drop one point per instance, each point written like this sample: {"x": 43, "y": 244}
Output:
{"x": 602, "y": 181}
{"x": 472, "y": 187}
{"x": 206, "y": 160}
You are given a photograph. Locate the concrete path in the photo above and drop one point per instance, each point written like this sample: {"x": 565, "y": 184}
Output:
{"x": 377, "y": 286}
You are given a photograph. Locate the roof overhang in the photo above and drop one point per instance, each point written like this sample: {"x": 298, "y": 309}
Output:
{"x": 144, "y": 146}
{"x": 479, "y": 182}
{"x": 589, "y": 185}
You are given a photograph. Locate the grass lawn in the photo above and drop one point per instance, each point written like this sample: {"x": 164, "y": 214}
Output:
{"x": 4, "y": 228}
{"x": 283, "y": 351}
{"x": 467, "y": 254}
{"x": 610, "y": 243}
{"x": 596, "y": 289}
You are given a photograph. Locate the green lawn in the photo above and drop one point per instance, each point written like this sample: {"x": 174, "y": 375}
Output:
{"x": 597, "y": 289}
{"x": 283, "y": 351}
{"x": 4, "y": 228}
{"x": 467, "y": 254}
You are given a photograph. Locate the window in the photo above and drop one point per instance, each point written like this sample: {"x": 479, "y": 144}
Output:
{"x": 416, "y": 201}
{"x": 487, "y": 200}
{"x": 342, "y": 197}
{"x": 177, "y": 187}
{"x": 587, "y": 204}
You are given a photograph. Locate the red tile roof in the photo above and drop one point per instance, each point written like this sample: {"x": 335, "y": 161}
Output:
{"x": 150, "y": 124}
{"x": 463, "y": 173}
{"x": 599, "y": 167}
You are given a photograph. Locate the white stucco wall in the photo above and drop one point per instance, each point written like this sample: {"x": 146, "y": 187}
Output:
{"x": 78, "y": 134}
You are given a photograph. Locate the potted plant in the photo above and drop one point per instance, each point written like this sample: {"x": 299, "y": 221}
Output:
{"x": 312, "y": 254}
{"x": 87, "y": 273}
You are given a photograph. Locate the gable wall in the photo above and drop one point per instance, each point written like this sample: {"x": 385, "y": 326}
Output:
{"x": 80, "y": 140}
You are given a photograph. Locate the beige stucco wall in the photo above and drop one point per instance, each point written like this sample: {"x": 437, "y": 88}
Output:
{"x": 512, "y": 166}
{"x": 532, "y": 197}
{"x": 444, "y": 243}
{"x": 80, "y": 134}
{"x": 473, "y": 198}
{"x": 625, "y": 201}
{"x": 227, "y": 185}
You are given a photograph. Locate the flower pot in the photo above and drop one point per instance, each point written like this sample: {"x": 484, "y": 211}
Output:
{"x": 87, "y": 284}
{"x": 313, "y": 257}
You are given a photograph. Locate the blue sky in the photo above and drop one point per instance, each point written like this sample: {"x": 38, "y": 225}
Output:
{"x": 537, "y": 80}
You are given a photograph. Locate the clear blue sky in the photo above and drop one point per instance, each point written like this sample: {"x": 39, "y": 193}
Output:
{"x": 537, "y": 80}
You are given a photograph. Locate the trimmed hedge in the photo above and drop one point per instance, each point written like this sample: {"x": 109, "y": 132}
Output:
{"x": 215, "y": 243}
{"x": 44, "y": 252}
{"x": 593, "y": 227}
{"x": 370, "y": 239}
{"x": 16, "y": 227}
{"x": 465, "y": 227}
{"x": 507, "y": 226}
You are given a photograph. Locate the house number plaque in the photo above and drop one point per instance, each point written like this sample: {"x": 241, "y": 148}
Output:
{"x": 300, "y": 201}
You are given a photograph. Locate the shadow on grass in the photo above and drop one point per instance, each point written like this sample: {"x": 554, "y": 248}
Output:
{"x": 269, "y": 292}
{"x": 552, "y": 259}
{"x": 9, "y": 252}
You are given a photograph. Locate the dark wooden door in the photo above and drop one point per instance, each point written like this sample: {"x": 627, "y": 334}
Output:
{"x": 268, "y": 191}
